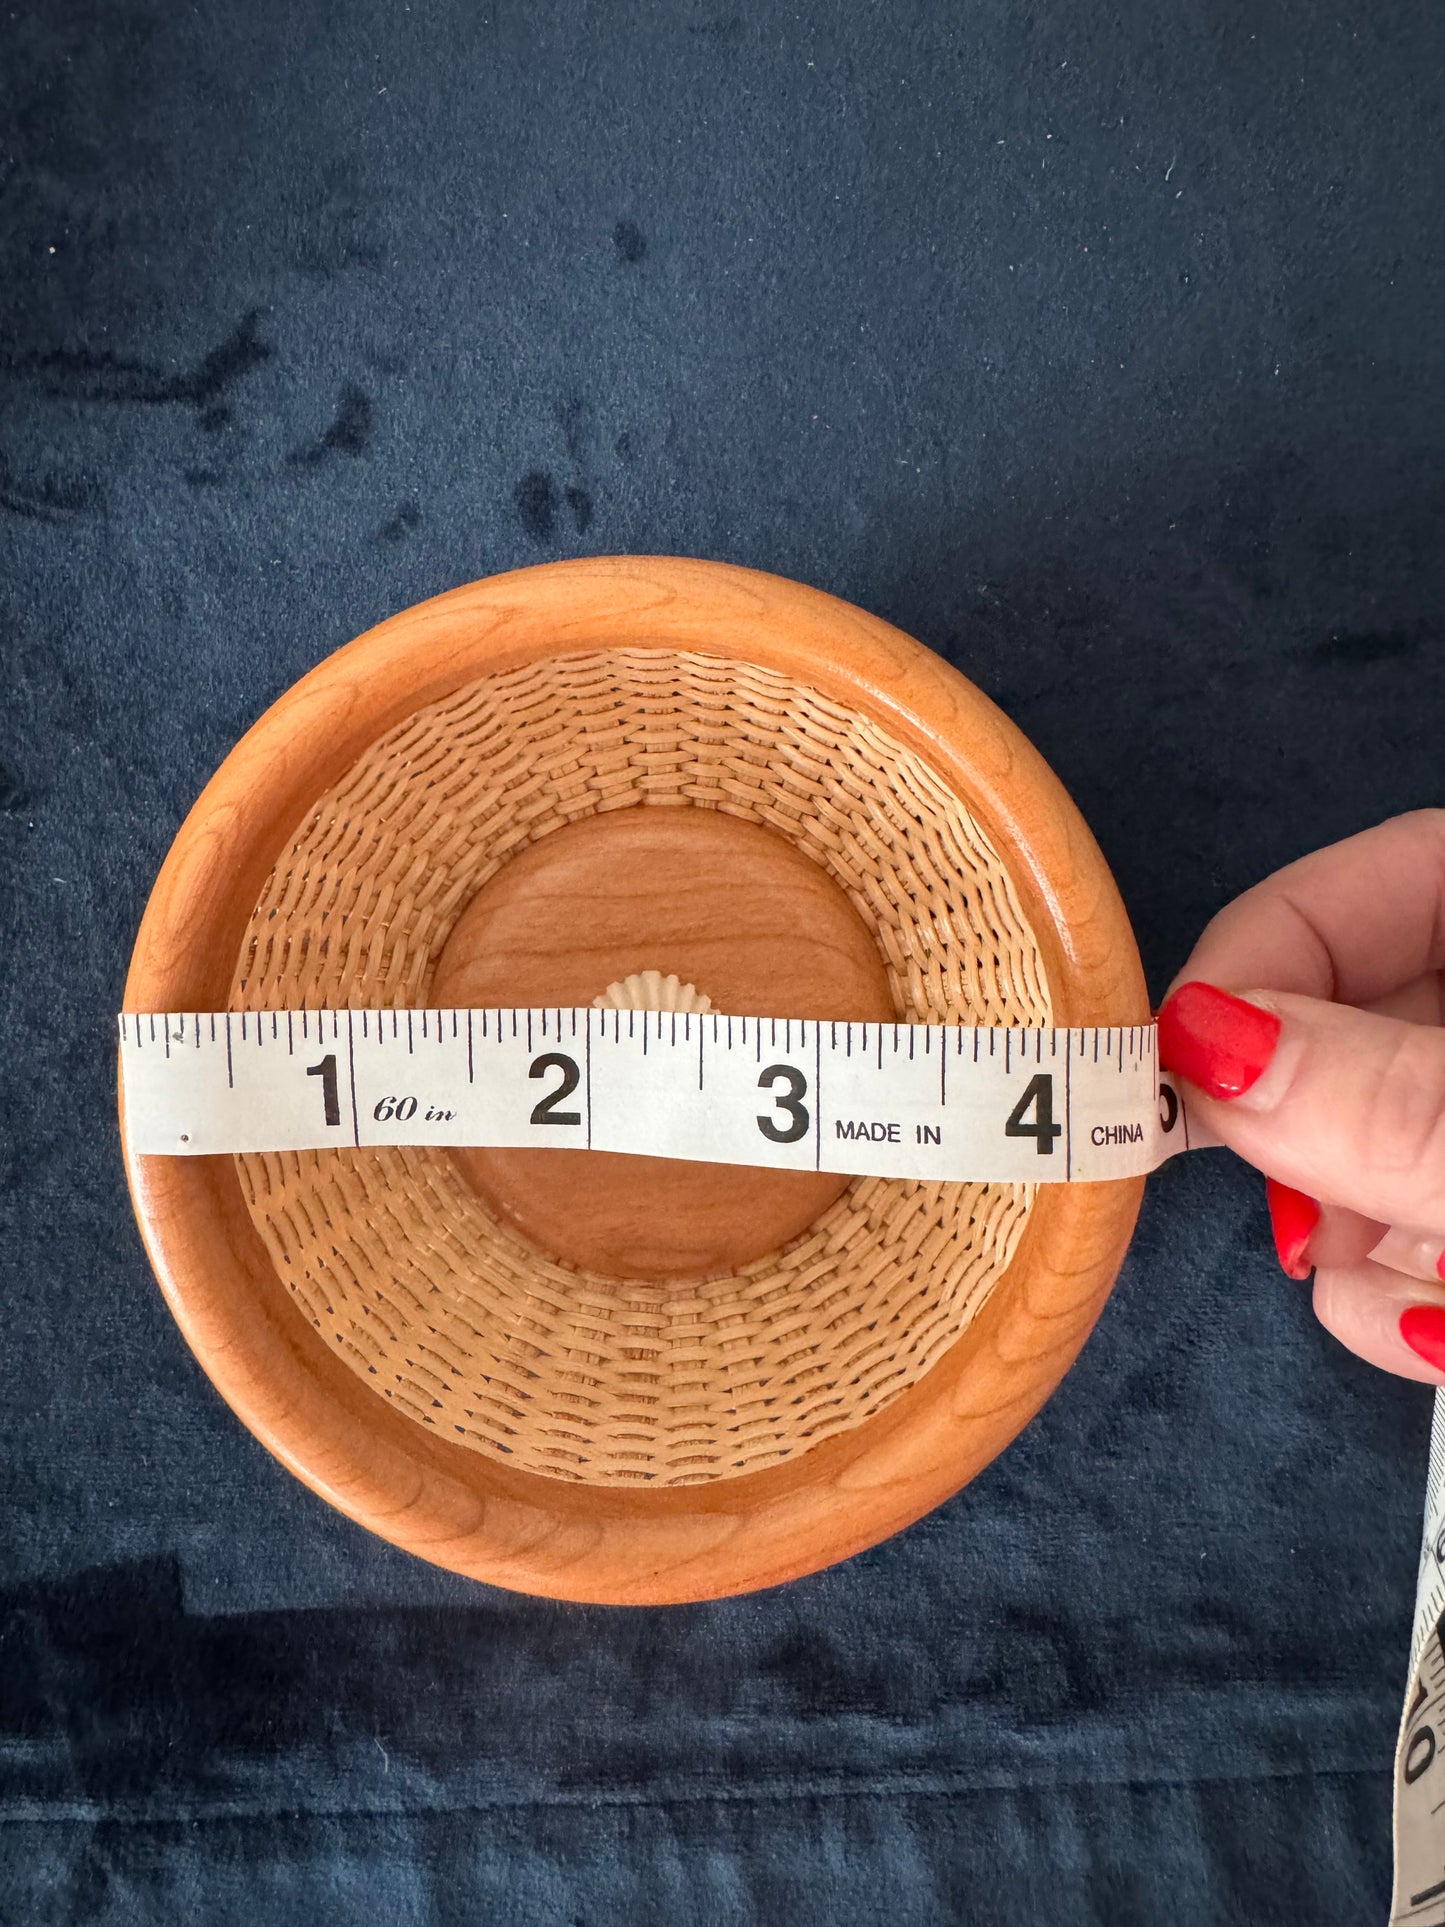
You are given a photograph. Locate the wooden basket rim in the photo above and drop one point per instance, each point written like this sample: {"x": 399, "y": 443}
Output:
{"x": 433, "y": 1498}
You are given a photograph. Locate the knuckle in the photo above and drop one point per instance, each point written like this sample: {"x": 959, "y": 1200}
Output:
{"x": 1404, "y": 1112}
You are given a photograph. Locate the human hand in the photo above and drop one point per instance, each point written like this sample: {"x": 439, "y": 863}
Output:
{"x": 1308, "y": 1024}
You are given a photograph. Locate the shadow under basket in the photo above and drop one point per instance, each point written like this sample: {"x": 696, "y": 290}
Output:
{"x": 628, "y": 1379}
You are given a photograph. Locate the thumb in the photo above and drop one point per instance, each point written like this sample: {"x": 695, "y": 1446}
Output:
{"x": 1336, "y": 1102}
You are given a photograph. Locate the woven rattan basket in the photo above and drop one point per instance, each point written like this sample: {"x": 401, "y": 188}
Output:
{"x": 544, "y": 1369}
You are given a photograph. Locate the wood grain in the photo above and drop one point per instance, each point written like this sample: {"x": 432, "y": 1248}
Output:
{"x": 464, "y": 1511}
{"x": 730, "y": 908}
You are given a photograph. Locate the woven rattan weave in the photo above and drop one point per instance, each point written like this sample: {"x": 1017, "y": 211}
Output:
{"x": 393, "y": 1258}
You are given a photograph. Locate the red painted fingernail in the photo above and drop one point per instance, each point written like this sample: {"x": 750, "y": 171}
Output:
{"x": 1293, "y": 1216}
{"x": 1423, "y": 1329}
{"x": 1219, "y": 1042}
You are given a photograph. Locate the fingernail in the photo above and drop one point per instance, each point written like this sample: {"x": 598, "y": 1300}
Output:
{"x": 1293, "y": 1216}
{"x": 1217, "y": 1041}
{"x": 1423, "y": 1329}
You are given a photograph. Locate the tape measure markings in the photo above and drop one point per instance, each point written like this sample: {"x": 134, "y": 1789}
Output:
{"x": 1419, "y": 1891}
{"x": 1046, "y": 1104}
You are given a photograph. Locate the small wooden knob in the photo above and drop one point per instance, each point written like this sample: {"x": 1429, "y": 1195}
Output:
{"x": 727, "y": 906}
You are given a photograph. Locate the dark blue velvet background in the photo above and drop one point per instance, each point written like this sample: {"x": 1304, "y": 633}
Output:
{"x": 1100, "y": 348}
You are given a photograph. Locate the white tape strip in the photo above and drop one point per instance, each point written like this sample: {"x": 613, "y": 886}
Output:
{"x": 1420, "y": 1755}
{"x": 884, "y": 1100}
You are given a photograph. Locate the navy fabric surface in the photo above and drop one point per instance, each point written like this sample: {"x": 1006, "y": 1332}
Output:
{"x": 1100, "y": 348}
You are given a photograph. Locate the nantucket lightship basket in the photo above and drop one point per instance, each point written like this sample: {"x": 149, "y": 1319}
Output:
{"x": 597, "y": 1377}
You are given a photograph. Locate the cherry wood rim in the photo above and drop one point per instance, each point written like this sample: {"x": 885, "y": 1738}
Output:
{"x": 456, "y": 1507}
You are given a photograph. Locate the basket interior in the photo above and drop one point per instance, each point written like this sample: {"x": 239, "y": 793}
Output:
{"x": 456, "y": 1321}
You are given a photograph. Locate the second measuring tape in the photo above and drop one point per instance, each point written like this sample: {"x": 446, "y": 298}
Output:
{"x": 880, "y": 1100}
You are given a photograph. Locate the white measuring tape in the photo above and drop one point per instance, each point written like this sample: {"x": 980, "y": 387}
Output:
{"x": 1420, "y": 1754}
{"x": 1020, "y": 1106}
{"x": 883, "y": 1100}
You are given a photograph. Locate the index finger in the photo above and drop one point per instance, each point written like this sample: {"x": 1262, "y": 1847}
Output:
{"x": 1350, "y": 923}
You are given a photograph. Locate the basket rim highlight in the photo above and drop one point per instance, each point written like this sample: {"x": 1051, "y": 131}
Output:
{"x": 486, "y": 1519}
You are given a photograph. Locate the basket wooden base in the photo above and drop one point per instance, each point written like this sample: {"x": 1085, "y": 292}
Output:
{"x": 733, "y": 909}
